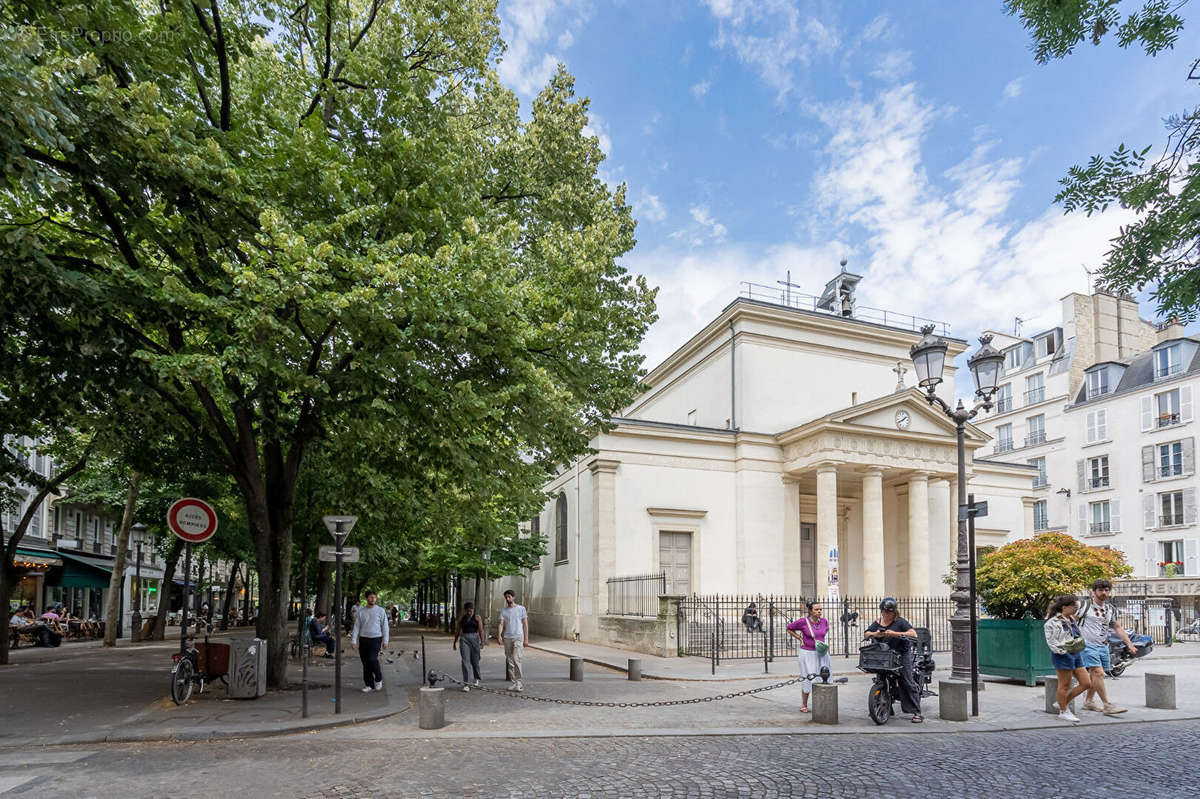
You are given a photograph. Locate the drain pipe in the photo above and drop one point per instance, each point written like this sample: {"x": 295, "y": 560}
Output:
{"x": 732, "y": 378}
{"x": 575, "y": 631}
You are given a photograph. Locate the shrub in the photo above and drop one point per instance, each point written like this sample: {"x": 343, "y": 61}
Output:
{"x": 1028, "y": 574}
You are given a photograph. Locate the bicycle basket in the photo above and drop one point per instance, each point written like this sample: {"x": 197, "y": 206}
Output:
{"x": 878, "y": 657}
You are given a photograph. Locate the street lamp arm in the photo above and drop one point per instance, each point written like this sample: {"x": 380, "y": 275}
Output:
{"x": 959, "y": 414}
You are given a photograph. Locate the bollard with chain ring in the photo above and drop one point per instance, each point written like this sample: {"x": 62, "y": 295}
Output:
{"x": 435, "y": 676}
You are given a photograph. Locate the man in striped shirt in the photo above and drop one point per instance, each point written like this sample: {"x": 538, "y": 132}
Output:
{"x": 370, "y": 635}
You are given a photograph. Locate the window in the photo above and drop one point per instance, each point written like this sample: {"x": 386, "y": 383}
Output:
{"x": 1098, "y": 472}
{"x": 560, "y": 521}
{"x": 1101, "y": 520}
{"x": 1037, "y": 430}
{"x": 1040, "y": 521}
{"x": 1170, "y": 509}
{"x": 1004, "y": 402}
{"x": 1166, "y": 362}
{"x": 1004, "y": 440}
{"x": 535, "y": 532}
{"x": 1047, "y": 344}
{"x": 1035, "y": 389}
{"x": 1039, "y": 479}
{"x": 1170, "y": 459}
{"x": 1097, "y": 383}
{"x": 1171, "y": 553}
{"x": 1167, "y": 404}
{"x": 1012, "y": 359}
{"x": 1097, "y": 426}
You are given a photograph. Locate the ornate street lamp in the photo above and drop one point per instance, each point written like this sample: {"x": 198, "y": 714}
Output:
{"x": 929, "y": 358}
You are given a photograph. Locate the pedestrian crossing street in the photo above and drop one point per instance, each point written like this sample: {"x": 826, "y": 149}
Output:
{"x": 28, "y": 772}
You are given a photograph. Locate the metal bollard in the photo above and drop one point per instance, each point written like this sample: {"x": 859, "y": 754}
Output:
{"x": 432, "y": 708}
{"x": 635, "y": 670}
{"x": 576, "y": 669}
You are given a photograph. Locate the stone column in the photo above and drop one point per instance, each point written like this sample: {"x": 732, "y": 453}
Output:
{"x": 827, "y": 522}
{"x": 872, "y": 531}
{"x": 1027, "y": 516}
{"x": 941, "y": 537}
{"x": 604, "y": 528}
{"x": 918, "y": 534}
{"x": 791, "y": 536}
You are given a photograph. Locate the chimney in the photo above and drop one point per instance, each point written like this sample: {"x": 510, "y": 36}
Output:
{"x": 1164, "y": 331}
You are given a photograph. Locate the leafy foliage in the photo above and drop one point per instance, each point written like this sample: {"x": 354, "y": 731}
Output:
{"x": 1057, "y": 27}
{"x": 1026, "y": 575}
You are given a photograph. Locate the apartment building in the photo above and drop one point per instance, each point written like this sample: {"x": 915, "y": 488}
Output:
{"x": 1042, "y": 376}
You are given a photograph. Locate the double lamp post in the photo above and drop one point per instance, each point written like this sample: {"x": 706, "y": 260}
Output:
{"x": 929, "y": 358}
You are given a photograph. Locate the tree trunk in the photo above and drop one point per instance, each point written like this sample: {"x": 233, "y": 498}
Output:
{"x": 233, "y": 572}
{"x": 324, "y": 586}
{"x": 164, "y": 591}
{"x": 116, "y": 582}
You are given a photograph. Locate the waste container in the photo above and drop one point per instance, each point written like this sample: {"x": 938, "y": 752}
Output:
{"x": 247, "y": 668}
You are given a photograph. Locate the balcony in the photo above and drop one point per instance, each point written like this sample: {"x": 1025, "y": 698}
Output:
{"x": 1163, "y": 372}
{"x": 1035, "y": 438}
{"x": 1040, "y": 524}
{"x": 1178, "y": 571}
{"x": 1097, "y": 391}
{"x": 1040, "y": 481}
{"x": 1034, "y": 396}
{"x": 1004, "y": 445}
{"x": 1167, "y": 419}
{"x": 1004, "y": 404}
{"x": 1098, "y": 482}
{"x": 1100, "y": 528}
{"x": 1171, "y": 520}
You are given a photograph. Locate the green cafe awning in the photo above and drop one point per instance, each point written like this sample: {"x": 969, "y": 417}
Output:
{"x": 81, "y": 572}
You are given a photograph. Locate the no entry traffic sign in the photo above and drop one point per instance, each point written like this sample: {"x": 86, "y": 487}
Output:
{"x": 191, "y": 519}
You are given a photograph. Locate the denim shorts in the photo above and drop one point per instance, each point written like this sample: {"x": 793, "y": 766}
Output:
{"x": 1067, "y": 662}
{"x": 1096, "y": 657}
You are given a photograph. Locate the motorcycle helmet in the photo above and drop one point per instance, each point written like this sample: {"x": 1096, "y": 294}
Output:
{"x": 888, "y": 605}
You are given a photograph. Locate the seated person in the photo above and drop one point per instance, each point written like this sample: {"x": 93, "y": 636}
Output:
{"x": 897, "y": 633}
{"x": 751, "y": 620}
{"x": 319, "y": 633}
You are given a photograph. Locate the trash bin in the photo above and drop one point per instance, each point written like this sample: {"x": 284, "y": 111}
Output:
{"x": 247, "y": 668}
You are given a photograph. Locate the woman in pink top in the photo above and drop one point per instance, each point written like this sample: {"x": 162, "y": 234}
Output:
{"x": 808, "y": 630}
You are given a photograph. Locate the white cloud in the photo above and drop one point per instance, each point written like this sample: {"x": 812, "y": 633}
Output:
{"x": 893, "y": 66}
{"x": 527, "y": 27}
{"x": 596, "y": 126}
{"x": 877, "y": 28}
{"x": 649, "y": 206}
{"x": 565, "y": 40}
{"x": 652, "y": 123}
{"x": 700, "y": 89}
{"x": 713, "y": 229}
{"x": 1013, "y": 89}
{"x": 720, "y": 8}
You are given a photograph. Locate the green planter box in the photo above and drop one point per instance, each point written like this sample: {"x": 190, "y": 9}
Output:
{"x": 1014, "y": 648}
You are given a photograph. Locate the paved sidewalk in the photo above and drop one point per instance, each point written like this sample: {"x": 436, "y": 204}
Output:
{"x": 88, "y": 694}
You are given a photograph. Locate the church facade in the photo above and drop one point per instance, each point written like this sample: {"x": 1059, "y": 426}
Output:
{"x": 777, "y": 451}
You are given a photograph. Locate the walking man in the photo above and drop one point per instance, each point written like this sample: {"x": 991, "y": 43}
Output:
{"x": 370, "y": 635}
{"x": 1096, "y": 618}
{"x": 514, "y": 633}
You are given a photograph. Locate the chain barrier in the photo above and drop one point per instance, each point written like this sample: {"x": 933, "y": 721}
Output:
{"x": 435, "y": 676}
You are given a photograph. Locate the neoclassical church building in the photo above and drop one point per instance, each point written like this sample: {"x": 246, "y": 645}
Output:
{"x": 779, "y": 450}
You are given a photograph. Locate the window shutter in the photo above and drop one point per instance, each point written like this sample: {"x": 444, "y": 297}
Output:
{"x": 1185, "y": 403}
{"x": 1081, "y": 470}
{"x": 1151, "y": 561}
{"x": 1191, "y": 557}
{"x": 1091, "y": 427}
{"x": 1083, "y": 519}
{"x": 1114, "y": 516}
{"x": 1189, "y": 455}
{"x": 1147, "y": 413}
{"x": 1189, "y": 506}
{"x": 1101, "y": 425}
{"x": 1148, "y": 464}
{"x": 1148, "y": 511}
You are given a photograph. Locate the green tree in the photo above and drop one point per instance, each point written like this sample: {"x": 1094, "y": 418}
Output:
{"x": 291, "y": 224}
{"x": 1162, "y": 248}
{"x": 1029, "y": 573}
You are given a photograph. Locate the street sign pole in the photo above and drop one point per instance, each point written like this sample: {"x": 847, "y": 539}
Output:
{"x": 974, "y": 602}
{"x": 339, "y": 527}
{"x": 187, "y": 595}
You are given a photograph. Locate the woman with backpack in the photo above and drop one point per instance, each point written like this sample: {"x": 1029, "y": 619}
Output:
{"x": 810, "y": 630}
{"x": 1066, "y": 646}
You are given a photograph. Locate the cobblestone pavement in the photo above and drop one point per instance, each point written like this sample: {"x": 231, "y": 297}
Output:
{"x": 1021, "y": 764}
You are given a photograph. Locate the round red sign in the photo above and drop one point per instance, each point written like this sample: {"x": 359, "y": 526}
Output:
{"x": 193, "y": 520}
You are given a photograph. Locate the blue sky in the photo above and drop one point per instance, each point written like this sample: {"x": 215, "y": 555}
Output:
{"x": 918, "y": 140}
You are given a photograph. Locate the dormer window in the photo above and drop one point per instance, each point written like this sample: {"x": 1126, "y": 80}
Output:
{"x": 1046, "y": 344}
{"x": 1167, "y": 362}
{"x": 1097, "y": 383}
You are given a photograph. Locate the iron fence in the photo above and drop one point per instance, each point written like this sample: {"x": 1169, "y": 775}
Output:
{"x": 636, "y": 595}
{"x": 719, "y": 627}
{"x": 1153, "y": 616}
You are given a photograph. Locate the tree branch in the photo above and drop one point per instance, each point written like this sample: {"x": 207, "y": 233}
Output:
{"x": 223, "y": 65}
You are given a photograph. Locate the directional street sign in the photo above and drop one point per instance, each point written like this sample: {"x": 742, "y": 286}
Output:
{"x": 976, "y": 510}
{"x": 329, "y": 553}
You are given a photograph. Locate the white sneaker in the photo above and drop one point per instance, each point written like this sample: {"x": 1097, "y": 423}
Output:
{"x": 379, "y": 686}
{"x": 466, "y": 688}
{"x": 368, "y": 690}
{"x": 476, "y": 683}
{"x": 1067, "y": 715}
{"x": 519, "y": 687}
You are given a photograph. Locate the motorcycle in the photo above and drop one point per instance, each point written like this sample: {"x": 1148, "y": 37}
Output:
{"x": 886, "y": 664}
{"x": 1119, "y": 656}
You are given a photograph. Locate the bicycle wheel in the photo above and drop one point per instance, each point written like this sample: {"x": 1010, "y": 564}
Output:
{"x": 183, "y": 680}
{"x": 879, "y": 703}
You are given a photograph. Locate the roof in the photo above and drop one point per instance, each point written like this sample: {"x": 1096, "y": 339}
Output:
{"x": 1137, "y": 375}
{"x": 95, "y": 563}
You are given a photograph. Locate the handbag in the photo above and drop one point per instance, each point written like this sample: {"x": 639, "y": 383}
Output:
{"x": 1075, "y": 644}
{"x": 820, "y": 646}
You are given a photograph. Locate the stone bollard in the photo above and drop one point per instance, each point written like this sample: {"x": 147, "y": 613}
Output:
{"x": 576, "y": 669}
{"x": 432, "y": 708}
{"x": 635, "y": 669}
{"x": 952, "y": 699}
{"x": 1160, "y": 691}
{"x": 824, "y": 703}
{"x": 1052, "y": 697}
